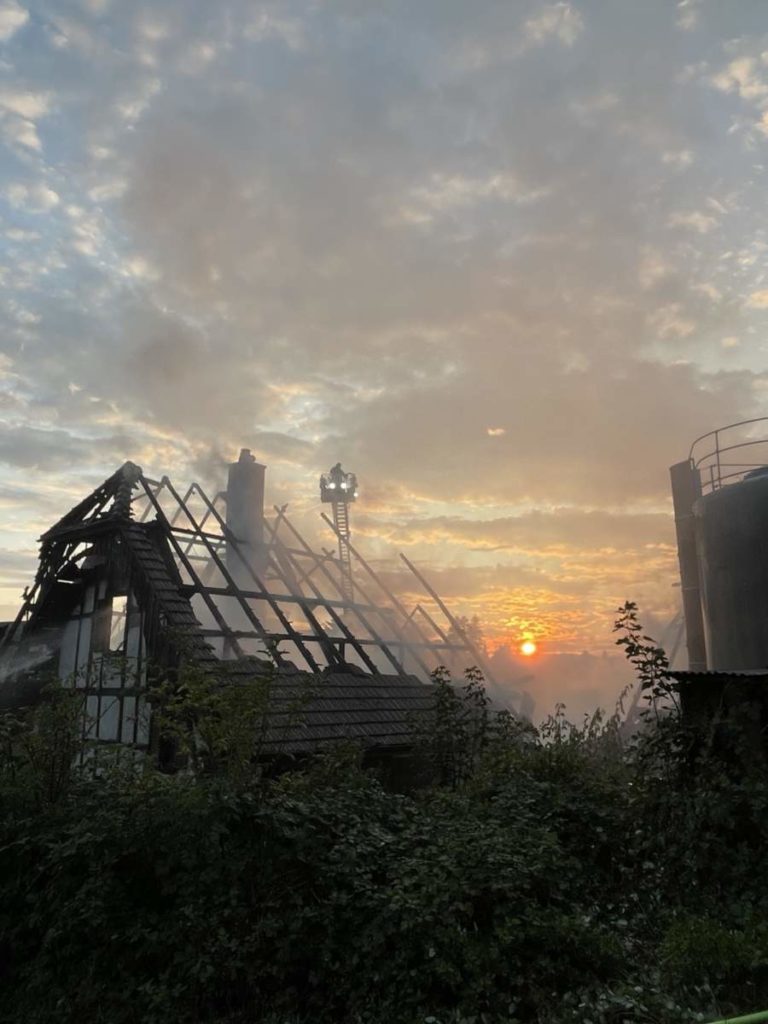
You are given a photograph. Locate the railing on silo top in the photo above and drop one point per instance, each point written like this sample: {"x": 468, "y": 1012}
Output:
{"x": 727, "y": 454}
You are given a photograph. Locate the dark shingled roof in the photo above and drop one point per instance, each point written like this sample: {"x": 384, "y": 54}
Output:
{"x": 305, "y": 711}
{"x": 161, "y": 580}
{"x": 308, "y": 711}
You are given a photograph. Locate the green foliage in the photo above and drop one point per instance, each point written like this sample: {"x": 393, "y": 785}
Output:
{"x": 217, "y": 726}
{"x": 40, "y": 747}
{"x": 649, "y": 661}
{"x": 551, "y": 875}
{"x": 453, "y": 739}
{"x": 696, "y": 948}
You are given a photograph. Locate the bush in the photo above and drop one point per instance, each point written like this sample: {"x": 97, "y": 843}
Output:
{"x": 556, "y": 875}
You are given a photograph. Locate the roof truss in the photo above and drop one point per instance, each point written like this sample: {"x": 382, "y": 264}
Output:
{"x": 297, "y": 612}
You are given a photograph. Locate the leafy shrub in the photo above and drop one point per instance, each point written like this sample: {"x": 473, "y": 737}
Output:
{"x": 570, "y": 873}
{"x": 699, "y": 948}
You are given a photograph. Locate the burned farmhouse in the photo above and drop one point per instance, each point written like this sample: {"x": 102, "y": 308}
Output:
{"x": 140, "y": 577}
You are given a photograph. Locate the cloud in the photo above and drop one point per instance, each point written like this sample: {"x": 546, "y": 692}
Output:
{"x": 270, "y": 24}
{"x": 694, "y": 219}
{"x": 759, "y": 299}
{"x": 197, "y": 59}
{"x": 21, "y": 235}
{"x": 29, "y": 105}
{"x": 470, "y": 250}
{"x": 689, "y": 15}
{"x": 33, "y": 198}
{"x": 537, "y": 531}
{"x": 446, "y": 193}
{"x": 136, "y": 266}
{"x": 18, "y": 566}
{"x": 670, "y": 322}
{"x": 31, "y": 448}
{"x": 681, "y": 158}
{"x": 708, "y": 289}
{"x": 274, "y": 446}
{"x": 133, "y": 104}
{"x": 744, "y": 76}
{"x": 12, "y": 17}
{"x": 19, "y": 110}
{"x": 560, "y": 21}
{"x": 16, "y": 130}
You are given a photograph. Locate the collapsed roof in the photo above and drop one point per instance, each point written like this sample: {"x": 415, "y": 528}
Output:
{"x": 136, "y": 574}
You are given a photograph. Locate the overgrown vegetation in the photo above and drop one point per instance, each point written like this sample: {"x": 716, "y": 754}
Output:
{"x": 563, "y": 874}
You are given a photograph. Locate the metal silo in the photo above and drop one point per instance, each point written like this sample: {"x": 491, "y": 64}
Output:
{"x": 721, "y": 511}
{"x": 731, "y": 527}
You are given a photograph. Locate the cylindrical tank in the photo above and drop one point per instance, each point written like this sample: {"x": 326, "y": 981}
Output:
{"x": 732, "y": 546}
{"x": 686, "y": 490}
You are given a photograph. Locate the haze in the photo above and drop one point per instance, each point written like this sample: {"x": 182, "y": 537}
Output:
{"x": 504, "y": 260}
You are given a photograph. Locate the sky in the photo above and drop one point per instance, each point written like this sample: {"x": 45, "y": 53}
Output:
{"x": 505, "y": 260}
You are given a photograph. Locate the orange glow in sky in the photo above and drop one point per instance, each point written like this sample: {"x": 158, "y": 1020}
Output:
{"x": 528, "y": 648}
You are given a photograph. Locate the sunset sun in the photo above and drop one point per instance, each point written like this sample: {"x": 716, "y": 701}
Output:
{"x": 528, "y": 648}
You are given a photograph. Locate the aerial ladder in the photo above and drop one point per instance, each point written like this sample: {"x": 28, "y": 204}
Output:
{"x": 339, "y": 490}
